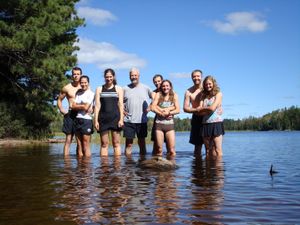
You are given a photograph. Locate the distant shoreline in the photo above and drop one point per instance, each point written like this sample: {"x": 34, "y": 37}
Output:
{"x": 9, "y": 142}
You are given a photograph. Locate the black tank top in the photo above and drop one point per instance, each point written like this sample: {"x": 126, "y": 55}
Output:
{"x": 109, "y": 100}
{"x": 109, "y": 115}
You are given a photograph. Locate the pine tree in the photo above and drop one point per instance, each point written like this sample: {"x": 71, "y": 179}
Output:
{"x": 36, "y": 50}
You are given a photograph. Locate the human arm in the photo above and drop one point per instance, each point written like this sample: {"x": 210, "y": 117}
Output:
{"x": 154, "y": 105}
{"x": 81, "y": 106}
{"x": 152, "y": 96}
{"x": 97, "y": 108}
{"x": 121, "y": 106}
{"x": 60, "y": 98}
{"x": 83, "y": 101}
{"x": 187, "y": 105}
{"x": 176, "y": 109}
{"x": 213, "y": 107}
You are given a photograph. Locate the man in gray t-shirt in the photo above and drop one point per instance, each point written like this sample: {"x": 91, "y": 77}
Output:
{"x": 136, "y": 101}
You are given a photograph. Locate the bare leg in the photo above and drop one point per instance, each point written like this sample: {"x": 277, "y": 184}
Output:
{"x": 104, "y": 143}
{"x": 86, "y": 145}
{"x": 198, "y": 150}
{"x": 142, "y": 145}
{"x": 116, "y": 137}
{"x": 170, "y": 136}
{"x": 207, "y": 146}
{"x": 79, "y": 145}
{"x": 67, "y": 145}
{"x": 218, "y": 146}
{"x": 155, "y": 147}
{"x": 160, "y": 141}
{"x": 128, "y": 146}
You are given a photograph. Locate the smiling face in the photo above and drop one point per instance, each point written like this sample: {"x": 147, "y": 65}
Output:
{"x": 134, "y": 76}
{"x": 109, "y": 78}
{"x": 208, "y": 85}
{"x": 196, "y": 77}
{"x": 76, "y": 74}
{"x": 157, "y": 81}
{"x": 166, "y": 87}
{"x": 84, "y": 83}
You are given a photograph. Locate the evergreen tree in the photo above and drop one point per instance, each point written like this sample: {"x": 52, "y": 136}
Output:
{"x": 36, "y": 50}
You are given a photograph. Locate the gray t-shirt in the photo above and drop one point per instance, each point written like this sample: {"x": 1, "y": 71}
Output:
{"x": 136, "y": 102}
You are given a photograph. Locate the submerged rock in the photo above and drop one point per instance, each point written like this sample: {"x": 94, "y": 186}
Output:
{"x": 158, "y": 163}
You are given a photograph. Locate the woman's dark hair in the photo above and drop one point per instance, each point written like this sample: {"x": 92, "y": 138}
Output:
{"x": 157, "y": 75}
{"x": 86, "y": 77}
{"x": 109, "y": 70}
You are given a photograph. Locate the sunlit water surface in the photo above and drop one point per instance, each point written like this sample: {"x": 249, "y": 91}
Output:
{"x": 39, "y": 186}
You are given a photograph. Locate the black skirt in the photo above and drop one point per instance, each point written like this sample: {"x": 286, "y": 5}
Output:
{"x": 212, "y": 129}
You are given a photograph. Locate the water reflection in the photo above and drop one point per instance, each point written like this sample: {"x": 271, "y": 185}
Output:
{"x": 166, "y": 198}
{"x": 208, "y": 177}
{"x": 110, "y": 183}
{"x": 40, "y": 186}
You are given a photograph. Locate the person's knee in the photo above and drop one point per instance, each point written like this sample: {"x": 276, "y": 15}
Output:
{"x": 104, "y": 144}
{"x": 116, "y": 143}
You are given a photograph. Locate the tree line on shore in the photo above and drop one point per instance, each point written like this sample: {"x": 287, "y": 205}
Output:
{"x": 281, "y": 119}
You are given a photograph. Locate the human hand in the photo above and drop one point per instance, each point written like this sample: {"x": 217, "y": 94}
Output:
{"x": 120, "y": 123}
{"x": 220, "y": 110}
{"x": 96, "y": 125}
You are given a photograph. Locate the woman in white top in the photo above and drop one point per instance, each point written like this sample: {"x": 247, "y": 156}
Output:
{"x": 83, "y": 104}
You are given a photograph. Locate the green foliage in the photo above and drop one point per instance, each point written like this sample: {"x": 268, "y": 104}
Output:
{"x": 283, "y": 119}
{"x": 11, "y": 124}
{"x": 36, "y": 50}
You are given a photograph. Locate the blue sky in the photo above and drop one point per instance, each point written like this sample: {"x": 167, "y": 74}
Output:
{"x": 252, "y": 48}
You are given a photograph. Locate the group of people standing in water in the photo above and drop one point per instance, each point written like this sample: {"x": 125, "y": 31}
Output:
{"x": 113, "y": 109}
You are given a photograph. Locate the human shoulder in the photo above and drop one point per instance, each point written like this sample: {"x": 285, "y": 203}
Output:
{"x": 118, "y": 88}
{"x": 219, "y": 95}
{"x": 187, "y": 93}
{"x": 145, "y": 86}
{"x": 66, "y": 88}
{"x": 127, "y": 87}
{"x": 99, "y": 89}
{"x": 90, "y": 92}
{"x": 175, "y": 95}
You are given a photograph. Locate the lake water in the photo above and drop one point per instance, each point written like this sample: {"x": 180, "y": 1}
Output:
{"x": 39, "y": 186}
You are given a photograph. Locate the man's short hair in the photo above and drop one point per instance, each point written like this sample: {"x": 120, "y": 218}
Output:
{"x": 157, "y": 75}
{"x": 134, "y": 69}
{"x": 197, "y": 70}
{"x": 77, "y": 68}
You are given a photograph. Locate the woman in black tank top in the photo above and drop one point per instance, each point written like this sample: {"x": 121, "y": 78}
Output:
{"x": 109, "y": 113}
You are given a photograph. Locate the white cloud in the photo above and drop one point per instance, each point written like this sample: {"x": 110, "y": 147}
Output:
{"x": 240, "y": 21}
{"x": 106, "y": 55}
{"x": 83, "y": 2}
{"x": 99, "y": 17}
{"x": 180, "y": 75}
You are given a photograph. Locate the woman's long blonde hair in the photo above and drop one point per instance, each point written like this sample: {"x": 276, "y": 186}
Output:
{"x": 214, "y": 91}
